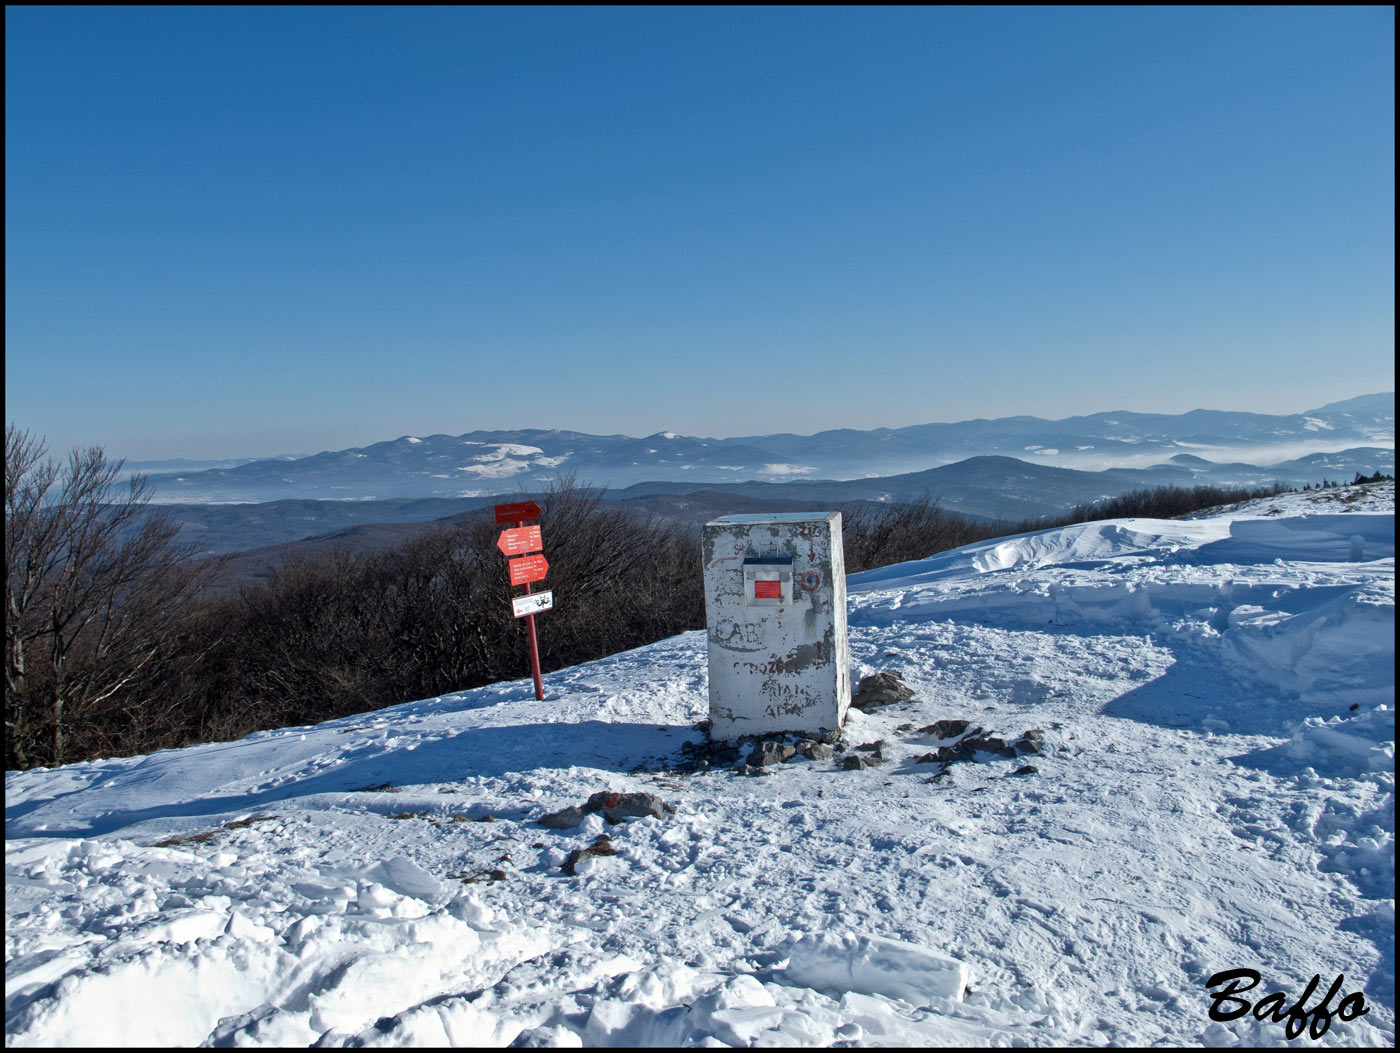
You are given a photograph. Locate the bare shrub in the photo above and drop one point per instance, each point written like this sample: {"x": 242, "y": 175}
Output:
{"x": 343, "y": 634}
{"x": 619, "y": 581}
{"x": 97, "y": 591}
{"x": 1166, "y": 502}
{"x": 900, "y": 531}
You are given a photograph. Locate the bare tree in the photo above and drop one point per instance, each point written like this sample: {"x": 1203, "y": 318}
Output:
{"x": 96, "y": 589}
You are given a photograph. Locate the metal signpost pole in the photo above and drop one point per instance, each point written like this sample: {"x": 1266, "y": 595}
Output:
{"x": 523, "y": 571}
{"x": 534, "y": 642}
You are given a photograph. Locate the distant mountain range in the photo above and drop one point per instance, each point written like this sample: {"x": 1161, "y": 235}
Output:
{"x": 1009, "y": 488}
{"x": 982, "y": 487}
{"x": 1209, "y": 445}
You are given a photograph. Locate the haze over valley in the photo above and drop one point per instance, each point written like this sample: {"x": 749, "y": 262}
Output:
{"x": 1011, "y": 469}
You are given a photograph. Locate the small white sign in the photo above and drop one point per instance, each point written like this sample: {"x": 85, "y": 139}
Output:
{"x": 533, "y": 603}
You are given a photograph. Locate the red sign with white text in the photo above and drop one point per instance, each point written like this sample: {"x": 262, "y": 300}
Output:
{"x": 527, "y": 569}
{"x": 521, "y": 539}
{"x": 768, "y": 590}
{"x": 517, "y": 512}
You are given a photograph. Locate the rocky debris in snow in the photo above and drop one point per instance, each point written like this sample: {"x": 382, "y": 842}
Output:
{"x": 853, "y": 763}
{"x": 881, "y": 689}
{"x": 602, "y": 846}
{"x": 968, "y": 748}
{"x": 564, "y": 818}
{"x": 976, "y": 741}
{"x": 757, "y": 751}
{"x": 990, "y": 743}
{"x": 765, "y": 753}
{"x": 480, "y": 876}
{"x": 962, "y": 741}
{"x": 771, "y": 752}
{"x": 615, "y": 808}
{"x": 709, "y": 752}
{"x": 947, "y": 729}
{"x": 1026, "y": 769}
{"x": 619, "y": 806}
{"x": 208, "y": 835}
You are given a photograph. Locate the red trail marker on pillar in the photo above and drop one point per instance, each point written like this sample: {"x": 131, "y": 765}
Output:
{"x": 525, "y": 569}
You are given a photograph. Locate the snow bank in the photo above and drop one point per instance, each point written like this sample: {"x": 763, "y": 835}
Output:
{"x": 1335, "y": 646}
{"x": 177, "y": 946}
{"x": 1346, "y": 746}
{"x": 1323, "y": 538}
{"x": 1304, "y": 604}
{"x": 873, "y": 965}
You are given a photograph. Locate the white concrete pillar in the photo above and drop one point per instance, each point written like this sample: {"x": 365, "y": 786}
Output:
{"x": 775, "y": 611}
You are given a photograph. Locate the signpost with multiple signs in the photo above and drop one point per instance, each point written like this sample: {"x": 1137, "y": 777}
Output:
{"x": 516, "y": 545}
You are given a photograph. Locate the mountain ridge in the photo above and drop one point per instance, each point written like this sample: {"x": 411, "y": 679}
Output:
{"x": 481, "y": 463}
{"x": 989, "y": 488}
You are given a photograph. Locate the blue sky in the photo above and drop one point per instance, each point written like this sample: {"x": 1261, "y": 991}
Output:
{"x": 244, "y": 232}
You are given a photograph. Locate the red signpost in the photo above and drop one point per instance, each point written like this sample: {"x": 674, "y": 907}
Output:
{"x": 527, "y": 569}
{"x": 518, "y": 512}
{"x": 524, "y": 569}
{"x": 522, "y": 539}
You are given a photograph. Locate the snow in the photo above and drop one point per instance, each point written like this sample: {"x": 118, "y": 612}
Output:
{"x": 496, "y": 469}
{"x": 504, "y": 459}
{"x": 1215, "y": 791}
{"x": 875, "y": 966}
{"x": 502, "y": 450}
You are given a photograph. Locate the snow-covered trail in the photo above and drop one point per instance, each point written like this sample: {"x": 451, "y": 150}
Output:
{"x": 1214, "y": 791}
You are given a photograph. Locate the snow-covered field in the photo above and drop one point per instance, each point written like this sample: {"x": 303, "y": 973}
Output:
{"x": 1214, "y": 792}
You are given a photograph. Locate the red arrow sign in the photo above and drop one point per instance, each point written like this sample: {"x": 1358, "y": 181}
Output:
{"x": 521, "y": 539}
{"x": 527, "y": 569}
{"x": 517, "y": 512}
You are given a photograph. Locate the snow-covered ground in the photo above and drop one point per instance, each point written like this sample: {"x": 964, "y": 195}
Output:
{"x": 1214, "y": 792}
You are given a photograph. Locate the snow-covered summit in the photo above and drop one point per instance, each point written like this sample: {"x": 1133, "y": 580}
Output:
{"x": 1213, "y": 790}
